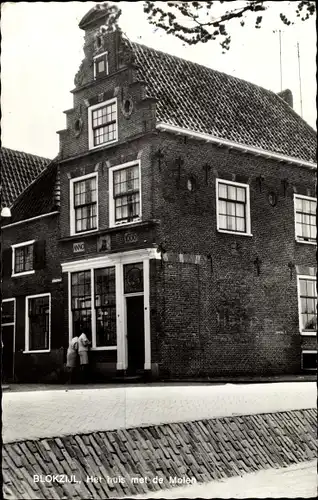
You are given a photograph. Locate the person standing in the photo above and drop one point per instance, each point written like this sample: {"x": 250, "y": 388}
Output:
{"x": 71, "y": 358}
{"x": 83, "y": 346}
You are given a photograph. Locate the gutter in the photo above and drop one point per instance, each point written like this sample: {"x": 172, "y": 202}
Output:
{"x": 235, "y": 145}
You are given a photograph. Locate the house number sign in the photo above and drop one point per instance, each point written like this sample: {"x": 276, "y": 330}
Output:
{"x": 130, "y": 238}
{"x": 79, "y": 247}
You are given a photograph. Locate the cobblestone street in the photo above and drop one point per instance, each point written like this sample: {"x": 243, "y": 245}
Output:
{"x": 39, "y": 414}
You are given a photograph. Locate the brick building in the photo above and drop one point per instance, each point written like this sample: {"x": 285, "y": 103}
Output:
{"x": 177, "y": 226}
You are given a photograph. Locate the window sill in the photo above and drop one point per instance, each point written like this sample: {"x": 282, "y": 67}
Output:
{"x": 100, "y": 146}
{"x": 109, "y": 348}
{"x": 306, "y": 242}
{"x": 234, "y": 233}
{"x": 37, "y": 352}
{"x": 123, "y": 224}
{"x": 83, "y": 233}
{"x": 16, "y": 275}
{"x": 308, "y": 334}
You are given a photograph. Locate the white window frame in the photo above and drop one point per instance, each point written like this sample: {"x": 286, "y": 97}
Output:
{"x": 27, "y": 338}
{"x": 248, "y": 207}
{"x": 72, "y": 208}
{"x": 307, "y": 351}
{"x": 19, "y": 245}
{"x": 112, "y": 222}
{"x": 119, "y": 259}
{"x": 90, "y": 123}
{"x": 11, "y": 324}
{"x": 97, "y": 57}
{"x": 304, "y": 333}
{"x": 302, "y": 197}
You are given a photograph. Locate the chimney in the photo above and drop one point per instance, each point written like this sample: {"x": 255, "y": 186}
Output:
{"x": 287, "y": 96}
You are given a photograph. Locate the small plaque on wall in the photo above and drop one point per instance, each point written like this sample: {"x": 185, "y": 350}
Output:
{"x": 79, "y": 247}
{"x": 103, "y": 243}
{"x": 130, "y": 237}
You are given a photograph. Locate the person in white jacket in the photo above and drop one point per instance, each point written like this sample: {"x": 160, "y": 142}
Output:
{"x": 83, "y": 345}
{"x": 71, "y": 358}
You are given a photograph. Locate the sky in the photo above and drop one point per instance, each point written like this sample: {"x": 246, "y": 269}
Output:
{"x": 42, "y": 48}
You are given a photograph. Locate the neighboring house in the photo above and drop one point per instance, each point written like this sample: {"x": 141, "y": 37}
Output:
{"x": 180, "y": 224}
{"x": 18, "y": 170}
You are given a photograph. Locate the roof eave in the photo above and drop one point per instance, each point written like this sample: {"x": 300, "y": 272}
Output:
{"x": 235, "y": 145}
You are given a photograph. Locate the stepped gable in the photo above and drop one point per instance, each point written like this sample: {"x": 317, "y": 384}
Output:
{"x": 18, "y": 171}
{"x": 205, "y": 450}
{"x": 201, "y": 99}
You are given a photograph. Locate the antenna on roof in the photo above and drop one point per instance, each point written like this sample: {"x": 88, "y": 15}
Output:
{"x": 280, "y": 60}
{"x": 299, "y": 76}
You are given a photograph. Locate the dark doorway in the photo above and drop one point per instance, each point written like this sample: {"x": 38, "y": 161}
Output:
{"x": 135, "y": 334}
{"x": 7, "y": 352}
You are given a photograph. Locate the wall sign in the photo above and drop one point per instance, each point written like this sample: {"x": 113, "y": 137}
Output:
{"x": 130, "y": 238}
{"x": 103, "y": 243}
{"x": 79, "y": 247}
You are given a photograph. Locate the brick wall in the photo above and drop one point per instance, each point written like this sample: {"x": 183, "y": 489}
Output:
{"x": 220, "y": 316}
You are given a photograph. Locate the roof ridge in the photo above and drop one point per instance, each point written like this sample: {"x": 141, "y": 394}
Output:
{"x": 201, "y": 66}
{"x": 24, "y": 153}
{"x": 255, "y": 85}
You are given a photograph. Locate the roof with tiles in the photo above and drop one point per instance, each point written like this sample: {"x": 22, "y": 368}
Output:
{"x": 205, "y": 450}
{"x": 40, "y": 197}
{"x": 201, "y": 99}
{"x": 18, "y": 170}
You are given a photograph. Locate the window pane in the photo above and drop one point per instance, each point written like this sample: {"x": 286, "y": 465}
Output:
{"x": 222, "y": 207}
{"x": 313, "y": 232}
{"x": 8, "y": 312}
{"x": 240, "y": 225}
{"x": 306, "y": 206}
{"x": 231, "y": 223}
{"x": 313, "y": 207}
{"x": 231, "y": 192}
{"x": 311, "y": 306}
{"x": 311, "y": 288}
{"x": 299, "y": 204}
{"x": 303, "y": 287}
{"x": 303, "y": 305}
{"x": 39, "y": 323}
{"x": 133, "y": 278}
{"x": 222, "y": 191}
{"x": 105, "y": 304}
{"x": 222, "y": 221}
{"x": 240, "y": 194}
{"x": 230, "y": 208}
{"x": 239, "y": 210}
{"x": 311, "y": 322}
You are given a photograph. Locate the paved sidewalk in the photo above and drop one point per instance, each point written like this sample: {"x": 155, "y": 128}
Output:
{"x": 40, "y": 414}
{"x": 167, "y": 383}
{"x": 296, "y": 481}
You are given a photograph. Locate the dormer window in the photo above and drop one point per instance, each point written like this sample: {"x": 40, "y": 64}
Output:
{"x": 101, "y": 65}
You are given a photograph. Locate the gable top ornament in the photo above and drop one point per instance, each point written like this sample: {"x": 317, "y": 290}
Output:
{"x": 106, "y": 13}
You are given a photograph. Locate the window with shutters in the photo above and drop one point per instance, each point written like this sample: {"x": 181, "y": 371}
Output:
{"x": 84, "y": 204}
{"x": 102, "y": 124}
{"x": 38, "y": 323}
{"x": 305, "y": 219}
{"x": 23, "y": 258}
{"x": 125, "y": 194}
{"x": 233, "y": 207}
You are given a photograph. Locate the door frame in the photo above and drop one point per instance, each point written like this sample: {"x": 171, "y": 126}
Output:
{"x": 127, "y": 296}
{"x": 147, "y": 341}
{"x": 14, "y": 329}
